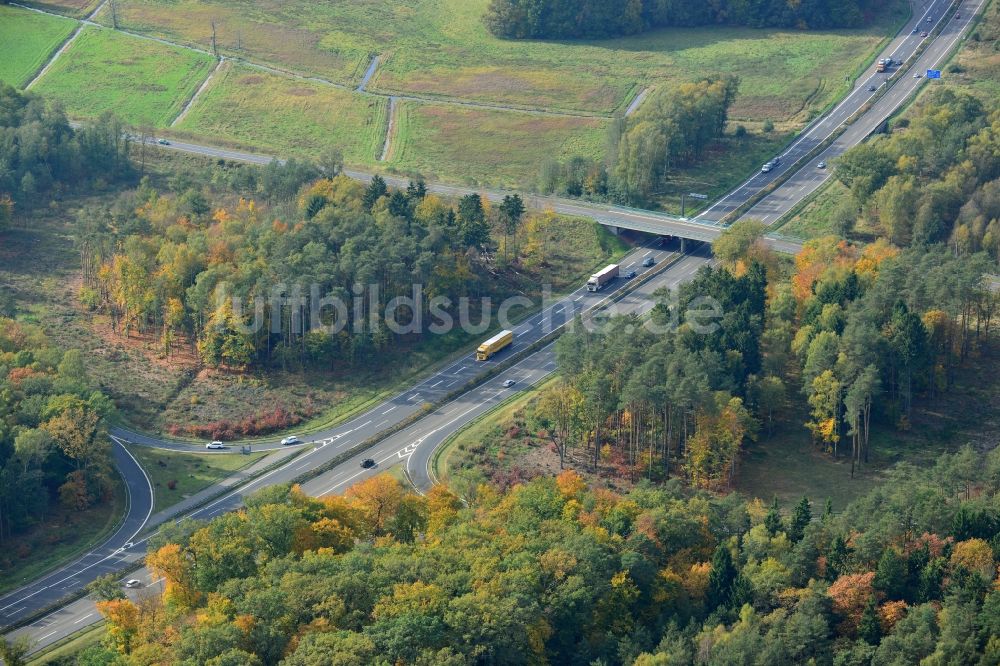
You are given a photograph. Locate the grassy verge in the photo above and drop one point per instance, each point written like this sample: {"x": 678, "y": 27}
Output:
{"x": 64, "y": 651}
{"x": 64, "y": 536}
{"x": 188, "y": 473}
{"x": 29, "y": 39}
{"x": 287, "y": 116}
{"x": 141, "y": 81}
{"x": 465, "y": 449}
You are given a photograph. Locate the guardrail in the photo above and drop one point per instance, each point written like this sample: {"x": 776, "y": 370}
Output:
{"x": 544, "y": 341}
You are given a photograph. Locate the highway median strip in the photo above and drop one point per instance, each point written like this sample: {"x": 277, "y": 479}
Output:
{"x": 483, "y": 377}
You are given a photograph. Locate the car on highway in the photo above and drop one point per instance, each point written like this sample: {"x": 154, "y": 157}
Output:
{"x": 648, "y": 260}
{"x": 930, "y": 19}
{"x": 367, "y": 463}
{"x": 215, "y": 445}
{"x": 133, "y": 583}
{"x": 871, "y": 88}
{"x": 288, "y": 441}
{"x": 923, "y": 34}
{"x": 630, "y": 275}
{"x": 917, "y": 75}
{"x": 958, "y": 16}
{"x": 163, "y": 142}
{"x": 767, "y": 167}
{"x": 508, "y": 383}
{"x": 821, "y": 165}
{"x": 915, "y": 31}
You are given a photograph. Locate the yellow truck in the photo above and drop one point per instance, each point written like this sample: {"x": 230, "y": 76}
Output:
{"x": 494, "y": 344}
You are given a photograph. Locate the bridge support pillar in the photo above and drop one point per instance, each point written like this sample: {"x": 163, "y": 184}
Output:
{"x": 614, "y": 230}
{"x": 683, "y": 245}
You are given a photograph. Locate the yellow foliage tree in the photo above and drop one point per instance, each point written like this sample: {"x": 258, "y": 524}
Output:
{"x": 975, "y": 556}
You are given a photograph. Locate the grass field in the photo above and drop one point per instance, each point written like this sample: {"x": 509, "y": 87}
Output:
{"x": 287, "y": 116}
{"x": 189, "y": 472}
{"x": 440, "y": 48}
{"x": 142, "y": 81}
{"x": 28, "y": 39}
{"x": 487, "y": 147}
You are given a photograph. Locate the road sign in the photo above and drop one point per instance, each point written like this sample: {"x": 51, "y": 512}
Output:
{"x": 697, "y": 196}
{"x": 933, "y": 73}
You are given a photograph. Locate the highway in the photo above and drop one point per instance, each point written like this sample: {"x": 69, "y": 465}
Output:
{"x": 414, "y": 444}
{"x": 322, "y": 447}
{"x": 707, "y": 225}
{"x": 868, "y": 86}
{"x": 809, "y": 178}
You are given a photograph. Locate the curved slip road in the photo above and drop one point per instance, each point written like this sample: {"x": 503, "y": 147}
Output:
{"x": 108, "y": 557}
{"x": 325, "y": 446}
{"x": 417, "y": 451}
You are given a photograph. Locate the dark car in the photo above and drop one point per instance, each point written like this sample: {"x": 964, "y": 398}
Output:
{"x": 163, "y": 142}
{"x": 871, "y": 88}
{"x": 367, "y": 463}
{"x": 630, "y": 275}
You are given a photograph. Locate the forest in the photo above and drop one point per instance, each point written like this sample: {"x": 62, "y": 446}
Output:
{"x": 41, "y": 156}
{"x": 174, "y": 262}
{"x": 54, "y": 449}
{"x": 597, "y": 19}
{"x": 857, "y": 334}
{"x": 671, "y": 130}
{"x": 551, "y": 572}
{"x": 935, "y": 179}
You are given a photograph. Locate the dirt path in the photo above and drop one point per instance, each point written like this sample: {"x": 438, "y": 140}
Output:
{"x": 390, "y": 130}
{"x": 362, "y": 88}
{"x": 201, "y": 89}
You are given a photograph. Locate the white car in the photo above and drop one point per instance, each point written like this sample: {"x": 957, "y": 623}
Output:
{"x": 508, "y": 383}
{"x": 215, "y": 445}
{"x": 133, "y": 582}
{"x": 288, "y": 441}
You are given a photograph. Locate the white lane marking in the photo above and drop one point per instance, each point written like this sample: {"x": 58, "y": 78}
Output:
{"x": 389, "y": 410}
{"x": 381, "y": 423}
{"x": 82, "y": 618}
{"x": 51, "y": 633}
{"x": 409, "y": 449}
{"x": 578, "y": 297}
{"x": 435, "y": 383}
{"x": 366, "y": 423}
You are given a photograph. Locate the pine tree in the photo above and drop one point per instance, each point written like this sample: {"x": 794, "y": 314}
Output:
{"x": 869, "y": 629}
{"x": 836, "y": 558}
{"x": 801, "y": 517}
{"x": 772, "y": 521}
{"x": 375, "y": 191}
{"x": 890, "y": 576}
{"x": 721, "y": 578}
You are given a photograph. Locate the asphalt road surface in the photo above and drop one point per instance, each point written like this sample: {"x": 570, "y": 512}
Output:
{"x": 414, "y": 444}
{"x": 809, "y": 178}
{"x": 868, "y": 86}
{"x": 321, "y": 447}
{"x": 110, "y": 556}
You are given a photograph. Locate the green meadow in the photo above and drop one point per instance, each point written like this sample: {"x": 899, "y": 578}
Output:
{"x": 29, "y": 39}
{"x": 142, "y": 81}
